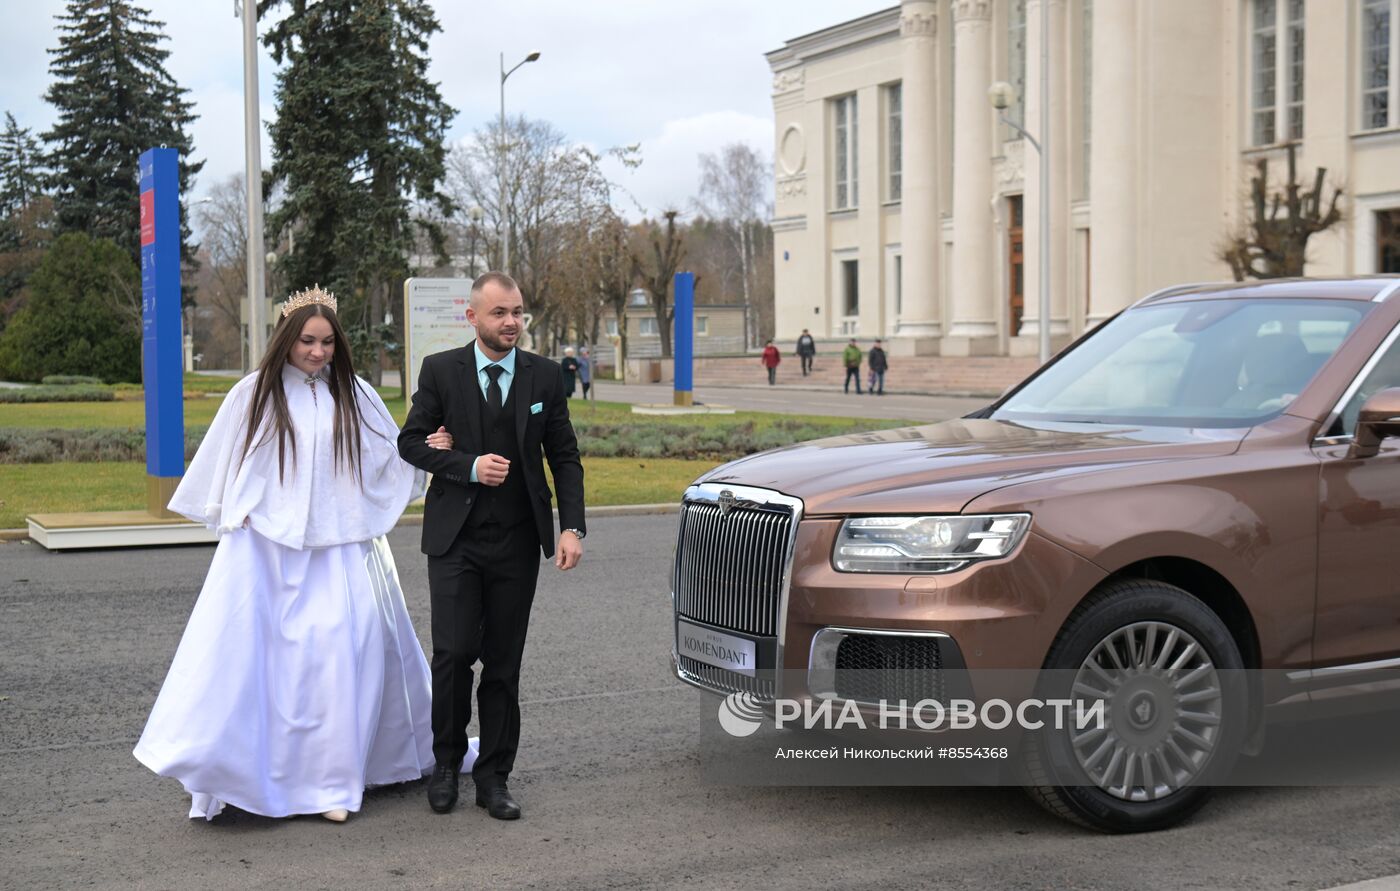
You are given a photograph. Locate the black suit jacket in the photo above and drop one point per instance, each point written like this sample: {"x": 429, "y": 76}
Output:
{"x": 449, "y": 395}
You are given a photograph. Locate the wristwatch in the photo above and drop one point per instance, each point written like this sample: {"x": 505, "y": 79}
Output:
{"x": 577, "y": 532}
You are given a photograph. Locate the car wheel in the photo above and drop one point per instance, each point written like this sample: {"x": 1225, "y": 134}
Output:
{"x": 1167, "y": 673}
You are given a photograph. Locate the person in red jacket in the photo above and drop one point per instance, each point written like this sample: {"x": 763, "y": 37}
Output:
{"x": 771, "y": 358}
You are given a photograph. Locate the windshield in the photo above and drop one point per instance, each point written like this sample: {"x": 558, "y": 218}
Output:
{"x": 1205, "y": 363}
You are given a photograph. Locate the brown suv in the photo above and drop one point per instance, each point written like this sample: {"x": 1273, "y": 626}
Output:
{"x": 1203, "y": 483}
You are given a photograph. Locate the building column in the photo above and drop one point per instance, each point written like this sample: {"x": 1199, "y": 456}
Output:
{"x": 1047, "y": 16}
{"x": 919, "y": 230}
{"x": 973, "y": 328}
{"x": 1113, "y": 176}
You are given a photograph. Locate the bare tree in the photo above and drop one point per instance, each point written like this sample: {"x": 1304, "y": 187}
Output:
{"x": 1273, "y": 243}
{"x": 223, "y": 231}
{"x": 736, "y": 190}
{"x": 666, "y": 252}
{"x": 534, "y": 190}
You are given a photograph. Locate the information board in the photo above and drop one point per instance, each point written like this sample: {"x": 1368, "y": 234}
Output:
{"x": 435, "y": 320}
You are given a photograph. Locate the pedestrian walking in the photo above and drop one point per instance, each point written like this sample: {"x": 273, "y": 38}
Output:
{"x": 806, "y": 349}
{"x": 585, "y": 371}
{"x": 771, "y": 358}
{"x": 851, "y": 357}
{"x": 878, "y": 364}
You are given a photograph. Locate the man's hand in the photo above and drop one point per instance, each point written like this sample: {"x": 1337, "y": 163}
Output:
{"x": 491, "y": 470}
{"x": 569, "y": 552}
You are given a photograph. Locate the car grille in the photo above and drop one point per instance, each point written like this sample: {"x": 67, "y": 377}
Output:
{"x": 874, "y": 667}
{"x": 724, "y": 681}
{"x": 729, "y": 567}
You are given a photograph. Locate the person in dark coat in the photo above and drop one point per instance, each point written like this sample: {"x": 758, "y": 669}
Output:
{"x": 806, "y": 349}
{"x": 570, "y": 367}
{"x": 878, "y": 364}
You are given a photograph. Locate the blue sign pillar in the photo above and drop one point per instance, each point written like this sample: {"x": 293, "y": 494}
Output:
{"x": 162, "y": 349}
{"x": 684, "y": 330}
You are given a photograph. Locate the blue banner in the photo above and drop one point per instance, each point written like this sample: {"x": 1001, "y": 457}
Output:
{"x": 162, "y": 348}
{"x": 684, "y": 286}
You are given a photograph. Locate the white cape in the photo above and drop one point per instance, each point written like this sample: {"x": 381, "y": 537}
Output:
{"x": 314, "y": 504}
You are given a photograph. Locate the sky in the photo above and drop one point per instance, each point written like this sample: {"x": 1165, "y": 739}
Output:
{"x": 680, "y": 77}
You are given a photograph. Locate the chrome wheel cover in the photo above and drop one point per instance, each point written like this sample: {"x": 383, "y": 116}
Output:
{"x": 1163, "y": 706}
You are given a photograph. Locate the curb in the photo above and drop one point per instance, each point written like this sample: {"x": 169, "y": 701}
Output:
{"x": 613, "y": 510}
{"x": 889, "y": 391}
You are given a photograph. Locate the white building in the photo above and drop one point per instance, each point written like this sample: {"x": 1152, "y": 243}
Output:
{"x": 905, "y": 210}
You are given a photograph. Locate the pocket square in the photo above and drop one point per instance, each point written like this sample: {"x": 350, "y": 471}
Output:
{"x": 537, "y": 408}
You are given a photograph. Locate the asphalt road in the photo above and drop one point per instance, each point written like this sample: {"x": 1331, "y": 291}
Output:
{"x": 608, "y": 773}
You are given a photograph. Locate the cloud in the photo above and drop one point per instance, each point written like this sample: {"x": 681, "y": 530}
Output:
{"x": 669, "y": 176}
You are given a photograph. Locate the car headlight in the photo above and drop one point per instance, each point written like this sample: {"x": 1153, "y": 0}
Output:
{"x": 925, "y": 544}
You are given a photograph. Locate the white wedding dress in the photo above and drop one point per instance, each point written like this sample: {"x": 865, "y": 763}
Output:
{"x": 299, "y": 680}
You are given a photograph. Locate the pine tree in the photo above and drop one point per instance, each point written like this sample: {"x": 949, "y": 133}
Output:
{"x": 114, "y": 100}
{"x": 25, "y": 214}
{"x": 358, "y": 139}
{"x": 20, "y": 168}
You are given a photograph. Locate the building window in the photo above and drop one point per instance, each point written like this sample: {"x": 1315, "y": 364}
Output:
{"x": 894, "y": 98}
{"x": 850, "y": 287}
{"x": 648, "y": 327}
{"x": 1263, "y": 92}
{"x": 611, "y": 326}
{"x": 1276, "y": 86}
{"x": 844, "y": 111}
{"x": 1016, "y": 65}
{"x": 1295, "y": 69}
{"x": 898, "y": 285}
{"x": 1086, "y": 93}
{"x": 702, "y": 326}
{"x": 1388, "y": 241}
{"x": 1375, "y": 64}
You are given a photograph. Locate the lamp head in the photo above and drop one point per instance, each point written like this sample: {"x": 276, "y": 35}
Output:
{"x": 1001, "y": 94}
{"x": 533, "y": 56}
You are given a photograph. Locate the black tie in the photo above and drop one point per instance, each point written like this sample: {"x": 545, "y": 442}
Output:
{"x": 493, "y": 389}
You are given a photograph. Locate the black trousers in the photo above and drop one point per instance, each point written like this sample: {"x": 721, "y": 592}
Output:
{"x": 481, "y": 591}
{"x": 852, "y": 374}
{"x": 806, "y": 364}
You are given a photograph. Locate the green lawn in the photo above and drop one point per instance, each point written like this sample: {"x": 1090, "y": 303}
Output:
{"x": 62, "y": 487}
{"x": 59, "y": 488}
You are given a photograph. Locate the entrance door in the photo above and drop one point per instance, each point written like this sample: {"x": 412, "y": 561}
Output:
{"x": 1015, "y": 273}
{"x": 1388, "y": 241}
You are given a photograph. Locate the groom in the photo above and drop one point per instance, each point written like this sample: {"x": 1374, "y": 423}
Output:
{"x": 486, "y": 520}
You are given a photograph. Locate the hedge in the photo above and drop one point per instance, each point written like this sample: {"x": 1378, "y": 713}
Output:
{"x": 50, "y": 393}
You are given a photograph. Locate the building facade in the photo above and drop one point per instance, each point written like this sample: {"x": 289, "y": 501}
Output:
{"x": 905, "y": 209}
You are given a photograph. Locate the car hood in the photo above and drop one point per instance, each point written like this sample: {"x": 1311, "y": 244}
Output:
{"x": 939, "y": 468}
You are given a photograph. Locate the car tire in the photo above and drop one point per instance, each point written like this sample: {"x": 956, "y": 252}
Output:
{"x": 1166, "y": 737}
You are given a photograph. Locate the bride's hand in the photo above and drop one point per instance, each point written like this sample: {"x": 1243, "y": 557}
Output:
{"x": 440, "y": 439}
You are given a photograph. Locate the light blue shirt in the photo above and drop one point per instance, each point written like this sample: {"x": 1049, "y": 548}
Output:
{"x": 484, "y": 379}
{"x": 508, "y": 363}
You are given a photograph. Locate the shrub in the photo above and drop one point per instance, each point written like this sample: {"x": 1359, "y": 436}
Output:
{"x": 43, "y": 393}
{"x": 68, "y": 380}
{"x": 77, "y": 320}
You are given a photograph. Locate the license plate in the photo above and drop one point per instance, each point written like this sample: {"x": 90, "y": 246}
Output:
{"x": 715, "y": 648}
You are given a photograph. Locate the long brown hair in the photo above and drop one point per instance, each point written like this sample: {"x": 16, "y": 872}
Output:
{"x": 269, "y": 399}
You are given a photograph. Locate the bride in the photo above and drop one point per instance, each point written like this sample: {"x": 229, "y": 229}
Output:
{"x": 299, "y": 680}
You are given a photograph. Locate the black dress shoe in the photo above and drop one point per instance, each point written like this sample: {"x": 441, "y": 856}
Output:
{"x": 442, "y": 789}
{"x": 498, "y": 803}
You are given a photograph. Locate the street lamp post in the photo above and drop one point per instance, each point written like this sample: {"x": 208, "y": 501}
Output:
{"x": 1001, "y": 93}
{"x": 252, "y": 147}
{"x": 501, "y": 160}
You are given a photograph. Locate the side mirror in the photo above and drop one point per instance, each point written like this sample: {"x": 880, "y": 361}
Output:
{"x": 1379, "y": 418}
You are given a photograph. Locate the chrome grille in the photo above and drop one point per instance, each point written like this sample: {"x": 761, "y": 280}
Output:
{"x": 729, "y": 566}
{"x": 724, "y": 681}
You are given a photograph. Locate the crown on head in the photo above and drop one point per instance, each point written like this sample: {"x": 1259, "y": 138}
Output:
{"x": 313, "y": 294}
